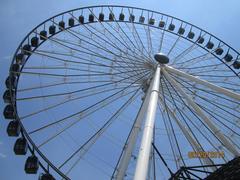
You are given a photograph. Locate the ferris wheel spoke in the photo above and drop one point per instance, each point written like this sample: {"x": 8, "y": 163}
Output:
{"x": 93, "y": 53}
{"x": 116, "y": 38}
{"x": 193, "y": 60}
{"x": 213, "y": 67}
{"x": 171, "y": 125}
{"x": 174, "y": 45}
{"x": 82, "y": 150}
{"x": 96, "y": 106}
{"x": 84, "y": 113}
{"x": 63, "y": 68}
{"x": 135, "y": 33}
{"x": 106, "y": 41}
{"x": 162, "y": 38}
{"x": 212, "y": 114}
{"x": 185, "y": 52}
{"x": 92, "y": 63}
{"x": 137, "y": 38}
{"x": 65, "y": 82}
{"x": 198, "y": 110}
{"x": 68, "y": 75}
{"x": 205, "y": 57}
{"x": 209, "y": 92}
{"x": 222, "y": 105}
{"x": 206, "y": 70}
{"x": 98, "y": 46}
{"x": 185, "y": 117}
{"x": 215, "y": 111}
{"x": 92, "y": 73}
{"x": 95, "y": 92}
{"x": 76, "y": 91}
{"x": 45, "y": 54}
{"x": 149, "y": 38}
{"x": 205, "y": 83}
{"x": 76, "y": 50}
{"x": 123, "y": 74}
{"x": 135, "y": 46}
{"x": 130, "y": 60}
{"x": 190, "y": 137}
{"x": 173, "y": 149}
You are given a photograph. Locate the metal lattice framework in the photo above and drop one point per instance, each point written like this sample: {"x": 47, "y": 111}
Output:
{"x": 89, "y": 98}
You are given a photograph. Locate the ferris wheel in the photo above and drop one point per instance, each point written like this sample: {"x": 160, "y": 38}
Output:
{"x": 118, "y": 92}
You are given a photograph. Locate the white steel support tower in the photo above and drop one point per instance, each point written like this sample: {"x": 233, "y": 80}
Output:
{"x": 147, "y": 137}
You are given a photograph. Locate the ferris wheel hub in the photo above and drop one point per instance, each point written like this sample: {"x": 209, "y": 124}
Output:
{"x": 161, "y": 58}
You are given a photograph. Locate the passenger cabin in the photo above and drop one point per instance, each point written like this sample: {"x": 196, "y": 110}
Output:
{"x": 9, "y": 112}
{"x": 209, "y": 45}
{"x": 20, "y": 58}
{"x": 52, "y": 29}
{"x": 11, "y": 82}
{"x": 111, "y": 16}
{"x": 141, "y": 19}
{"x": 121, "y": 17}
{"x": 7, "y": 96}
{"x": 151, "y": 21}
{"x": 161, "y": 24}
{"x": 236, "y": 64}
{"x": 15, "y": 68}
{"x": 191, "y": 35}
{"x": 81, "y": 19}
{"x": 20, "y": 146}
{"x": 46, "y": 177}
{"x": 71, "y": 22}
{"x": 181, "y": 31}
{"x": 228, "y": 57}
{"x": 34, "y": 41}
{"x": 101, "y": 17}
{"x": 27, "y": 49}
{"x": 91, "y": 18}
{"x": 171, "y": 27}
{"x": 219, "y": 51}
{"x": 43, "y": 35}
{"x": 131, "y": 18}
{"x": 61, "y": 25}
{"x": 200, "y": 40}
{"x": 13, "y": 128}
{"x": 31, "y": 165}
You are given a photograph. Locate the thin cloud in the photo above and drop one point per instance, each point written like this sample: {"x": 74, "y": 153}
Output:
{"x": 6, "y": 58}
{"x": 3, "y": 155}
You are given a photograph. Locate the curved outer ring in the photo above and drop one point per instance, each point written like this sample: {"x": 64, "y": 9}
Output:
{"x": 23, "y": 130}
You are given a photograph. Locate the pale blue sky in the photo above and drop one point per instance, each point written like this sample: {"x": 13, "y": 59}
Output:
{"x": 17, "y": 18}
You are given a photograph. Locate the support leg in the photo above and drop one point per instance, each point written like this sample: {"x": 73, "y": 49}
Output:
{"x": 145, "y": 148}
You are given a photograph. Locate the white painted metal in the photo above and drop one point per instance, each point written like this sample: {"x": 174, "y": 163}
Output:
{"x": 188, "y": 135}
{"x": 146, "y": 143}
{"x": 124, "y": 161}
{"x": 214, "y": 87}
{"x": 200, "y": 113}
